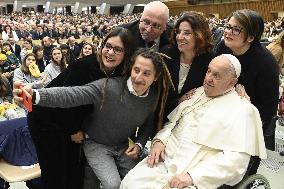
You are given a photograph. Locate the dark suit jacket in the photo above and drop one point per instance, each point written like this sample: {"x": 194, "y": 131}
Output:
{"x": 18, "y": 51}
{"x": 50, "y": 33}
{"x": 194, "y": 78}
{"x": 133, "y": 27}
{"x": 22, "y": 34}
{"x": 75, "y": 51}
{"x": 36, "y": 35}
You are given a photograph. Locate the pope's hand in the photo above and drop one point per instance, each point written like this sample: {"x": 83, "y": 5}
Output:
{"x": 156, "y": 154}
{"x": 181, "y": 181}
{"x": 17, "y": 92}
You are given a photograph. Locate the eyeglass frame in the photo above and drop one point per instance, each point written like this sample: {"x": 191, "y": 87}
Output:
{"x": 228, "y": 27}
{"x": 147, "y": 23}
{"x": 116, "y": 49}
{"x": 183, "y": 32}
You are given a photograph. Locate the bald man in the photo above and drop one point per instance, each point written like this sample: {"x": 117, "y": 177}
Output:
{"x": 209, "y": 139}
{"x": 152, "y": 28}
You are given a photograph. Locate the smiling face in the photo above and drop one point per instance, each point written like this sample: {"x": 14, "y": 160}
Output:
{"x": 87, "y": 50}
{"x": 184, "y": 37}
{"x": 152, "y": 24}
{"x": 235, "y": 38}
{"x": 219, "y": 77}
{"x": 143, "y": 74}
{"x": 111, "y": 58}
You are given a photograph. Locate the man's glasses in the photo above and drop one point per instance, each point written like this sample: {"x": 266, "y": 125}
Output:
{"x": 183, "y": 32}
{"x": 147, "y": 23}
{"x": 235, "y": 30}
{"x": 116, "y": 50}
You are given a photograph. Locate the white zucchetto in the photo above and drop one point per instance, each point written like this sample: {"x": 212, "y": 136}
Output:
{"x": 235, "y": 62}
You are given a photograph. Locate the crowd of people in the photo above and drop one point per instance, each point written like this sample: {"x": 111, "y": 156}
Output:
{"x": 196, "y": 86}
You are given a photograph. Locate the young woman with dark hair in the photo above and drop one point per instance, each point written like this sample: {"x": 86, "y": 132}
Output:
{"x": 56, "y": 66}
{"x": 24, "y": 74}
{"x": 59, "y": 129}
{"x": 41, "y": 60}
{"x": 190, "y": 52}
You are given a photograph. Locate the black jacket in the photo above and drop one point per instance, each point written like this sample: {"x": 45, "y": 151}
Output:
{"x": 17, "y": 51}
{"x": 194, "y": 78}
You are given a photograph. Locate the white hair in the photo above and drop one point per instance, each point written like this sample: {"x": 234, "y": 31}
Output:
{"x": 158, "y": 6}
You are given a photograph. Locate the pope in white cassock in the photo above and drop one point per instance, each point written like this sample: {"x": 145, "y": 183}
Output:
{"x": 208, "y": 140}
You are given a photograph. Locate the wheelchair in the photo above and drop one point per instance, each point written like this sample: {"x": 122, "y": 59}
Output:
{"x": 253, "y": 181}
{"x": 256, "y": 181}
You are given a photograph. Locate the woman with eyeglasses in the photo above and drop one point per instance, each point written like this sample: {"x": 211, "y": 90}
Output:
{"x": 190, "y": 53}
{"x": 259, "y": 77}
{"x": 59, "y": 130}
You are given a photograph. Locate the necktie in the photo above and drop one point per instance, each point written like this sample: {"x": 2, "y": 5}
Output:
{"x": 150, "y": 44}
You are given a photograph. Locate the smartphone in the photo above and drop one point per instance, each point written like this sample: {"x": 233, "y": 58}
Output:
{"x": 27, "y": 99}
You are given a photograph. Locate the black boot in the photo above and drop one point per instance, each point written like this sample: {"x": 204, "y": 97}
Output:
{"x": 282, "y": 153}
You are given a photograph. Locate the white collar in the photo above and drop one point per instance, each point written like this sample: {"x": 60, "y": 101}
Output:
{"x": 132, "y": 91}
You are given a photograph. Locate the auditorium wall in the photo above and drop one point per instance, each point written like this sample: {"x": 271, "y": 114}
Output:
{"x": 267, "y": 8}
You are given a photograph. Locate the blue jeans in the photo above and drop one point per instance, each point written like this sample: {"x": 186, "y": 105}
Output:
{"x": 109, "y": 163}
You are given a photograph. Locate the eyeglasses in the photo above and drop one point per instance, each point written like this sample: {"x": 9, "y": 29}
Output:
{"x": 147, "y": 23}
{"x": 116, "y": 50}
{"x": 183, "y": 32}
{"x": 235, "y": 29}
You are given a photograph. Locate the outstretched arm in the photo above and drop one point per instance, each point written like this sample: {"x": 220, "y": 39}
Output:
{"x": 64, "y": 97}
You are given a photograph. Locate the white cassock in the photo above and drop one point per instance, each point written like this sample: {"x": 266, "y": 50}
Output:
{"x": 210, "y": 138}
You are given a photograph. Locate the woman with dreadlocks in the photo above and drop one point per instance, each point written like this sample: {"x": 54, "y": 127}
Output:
{"x": 121, "y": 106}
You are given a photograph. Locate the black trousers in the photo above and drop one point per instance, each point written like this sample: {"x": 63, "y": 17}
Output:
{"x": 61, "y": 161}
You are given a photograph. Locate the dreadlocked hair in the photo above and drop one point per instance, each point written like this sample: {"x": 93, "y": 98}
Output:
{"x": 164, "y": 80}
{"x": 3, "y": 87}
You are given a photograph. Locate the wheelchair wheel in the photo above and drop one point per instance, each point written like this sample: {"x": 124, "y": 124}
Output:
{"x": 255, "y": 181}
